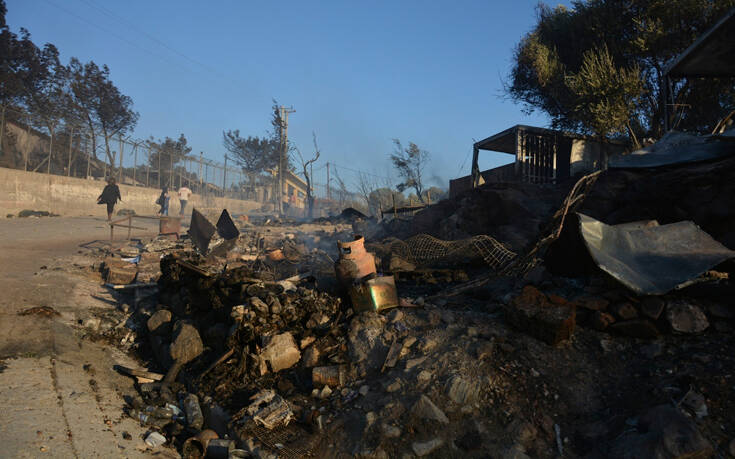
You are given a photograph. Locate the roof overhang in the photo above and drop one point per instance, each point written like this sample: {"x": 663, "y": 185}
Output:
{"x": 711, "y": 55}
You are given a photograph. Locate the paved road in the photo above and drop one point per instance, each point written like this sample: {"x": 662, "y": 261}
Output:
{"x": 58, "y": 394}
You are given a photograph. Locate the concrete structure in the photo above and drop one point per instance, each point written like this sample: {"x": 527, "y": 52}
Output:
{"x": 74, "y": 196}
{"x": 541, "y": 156}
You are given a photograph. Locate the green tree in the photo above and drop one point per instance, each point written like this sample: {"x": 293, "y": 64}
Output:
{"x": 410, "y": 163}
{"x": 253, "y": 154}
{"x": 165, "y": 155}
{"x": 618, "y": 40}
{"x": 99, "y": 104}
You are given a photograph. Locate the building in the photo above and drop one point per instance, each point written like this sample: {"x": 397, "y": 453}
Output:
{"x": 541, "y": 156}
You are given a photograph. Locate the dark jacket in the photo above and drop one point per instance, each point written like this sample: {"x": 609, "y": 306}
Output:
{"x": 110, "y": 195}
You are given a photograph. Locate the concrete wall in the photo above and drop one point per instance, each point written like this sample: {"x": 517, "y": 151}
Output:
{"x": 73, "y": 196}
{"x": 588, "y": 156}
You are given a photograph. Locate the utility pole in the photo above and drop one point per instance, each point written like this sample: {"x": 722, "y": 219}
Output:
{"x": 283, "y": 113}
{"x": 328, "y": 195}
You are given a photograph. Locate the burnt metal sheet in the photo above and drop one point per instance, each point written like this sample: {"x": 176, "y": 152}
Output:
{"x": 201, "y": 231}
{"x": 674, "y": 148}
{"x": 226, "y": 227}
{"x": 651, "y": 259}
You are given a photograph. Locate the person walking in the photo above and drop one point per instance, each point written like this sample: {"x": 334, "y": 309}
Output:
{"x": 110, "y": 195}
{"x": 163, "y": 201}
{"x": 184, "y": 194}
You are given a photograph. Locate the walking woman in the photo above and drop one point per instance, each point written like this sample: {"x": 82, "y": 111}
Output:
{"x": 163, "y": 201}
{"x": 110, "y": 195}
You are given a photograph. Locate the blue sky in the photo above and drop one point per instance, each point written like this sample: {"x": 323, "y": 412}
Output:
{"x": 358, "y": 74}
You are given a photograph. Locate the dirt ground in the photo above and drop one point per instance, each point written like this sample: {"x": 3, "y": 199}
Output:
{"x": 58, "y": 392}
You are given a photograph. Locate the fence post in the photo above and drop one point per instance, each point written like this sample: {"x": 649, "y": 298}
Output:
{"x": 89, "y": 156}
{"x": 120, "y": 140}
{"x": 148, "y": 167}
{"x": 159, "y": 167}
{"x": 71, "y": 137}
{"x": 50, "y": 150}
{"x": 135, "y": 161}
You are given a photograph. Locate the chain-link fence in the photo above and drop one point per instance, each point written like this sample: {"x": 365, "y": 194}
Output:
{"x": 75, "y": 151}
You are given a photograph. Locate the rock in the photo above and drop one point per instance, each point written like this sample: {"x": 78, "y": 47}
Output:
{"x": 160, "y": 322}
{"x": 310, "y": 357}
{"x": 484, "y": 350}
{"x": 427, "y": 447}
{"x": 685, "y": 317}
{"x": 695, "y": 403}
{"x": 652, "y": 307}
{"x": 412, "y": 363}
{"x": 424, "y": 408}
{"x": 122, "y": 275}
{"x": 365, "y": 341}
{"x": 155, "y": 439}
{"x": 93, "y": 323}
{"x": 280, "y": 351}
{"x": 364, "y": 389}
{"x": 274, "y": 304}
{"x": 662, "y": 432}
{"x": 462, "y": 391}
{"x": 533, "y": 313}
{"x": 258, "y": 305}
{"x": 325, "y": 393}
{"x": 424, "y": 376}
{"x": 390, "y": 431}
{"x": 638, "y": 328}
{"x": 426, "y": 345}
{"x": 601, "y": 320}
{"x": 306, "y": 341}
{"x": 395, "y": 315}
{"x": 186, "y": 344}
{"x": 624, "y": 311}
{"x": 523, "y": 433}
{"x": 394, "y": 386}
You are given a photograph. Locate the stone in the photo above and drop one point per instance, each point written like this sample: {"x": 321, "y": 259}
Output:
{"x": 425, "y": 409}
{"x": 601, "y": 320}
{"x": 533, "y": 313}
{"x": 624, "y": 311}
{"x": 310, "y": 357}
{"x": 412, "y": 363}
{"x": 121, "y": 275}
{"x": 695, "y": 402}
{"x": 395, "y": 315}
{"x": 364, "y": 389}
{"x": 280, "y": 351}
{"x": 638, "y": 328}
{"x": 427, "y": 447}
{"x": 462, "y": 391}
{"x": 390, "y": 431}
{"x": 306, "y": 341}
{"x": 325, "y": 393}
{"x": 93, "y": 323}
{"x": 274, "y": 304}
{"x": 365, "y": 341}
{"x": 258, "y": 305}
{"x": 160, "y": 322}
{"x": 424, "y": 376}
{"x": 186, "y": 344}
{"x": 686, "y": 318}
{"x": 523, "y": 433}
{"x": 370, "y": 418}
{"x": 394, "y": 386}
{"x": 484, "y": 350}
{"x": 426, "y": 345}
{"x": 652, "y": 307}
{"x": 663, "y": 431}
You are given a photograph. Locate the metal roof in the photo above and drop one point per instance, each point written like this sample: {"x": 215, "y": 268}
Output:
{"x": 505, "y": 141}
{"x": 711, "y": 55}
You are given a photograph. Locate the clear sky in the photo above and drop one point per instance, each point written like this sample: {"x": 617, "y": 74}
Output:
{"x": 358, "y": 74}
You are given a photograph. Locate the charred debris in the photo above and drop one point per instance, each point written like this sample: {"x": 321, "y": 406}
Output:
{"x": 601, "y": 327}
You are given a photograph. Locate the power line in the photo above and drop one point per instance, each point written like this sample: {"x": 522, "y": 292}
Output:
{"x": 149, "y": 36}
